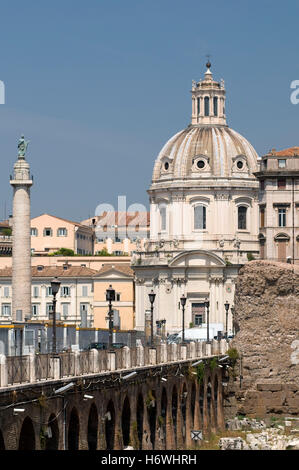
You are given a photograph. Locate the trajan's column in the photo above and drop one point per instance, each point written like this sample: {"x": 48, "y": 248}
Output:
{"x": 21, "y": 248}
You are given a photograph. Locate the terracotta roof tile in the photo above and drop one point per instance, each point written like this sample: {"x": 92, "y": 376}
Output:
{"x": 288, "y": 152}
{"x": 55, "y": 271}
{"x": 124, "y": 269}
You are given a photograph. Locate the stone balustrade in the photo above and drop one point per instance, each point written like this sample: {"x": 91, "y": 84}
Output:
{"x": 36, "y": 368}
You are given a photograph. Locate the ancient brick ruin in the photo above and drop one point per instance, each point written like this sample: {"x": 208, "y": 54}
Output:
{"x": 266, "y": 378}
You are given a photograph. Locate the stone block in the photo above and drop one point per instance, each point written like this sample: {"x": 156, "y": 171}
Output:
{"x": 272, "y": 387}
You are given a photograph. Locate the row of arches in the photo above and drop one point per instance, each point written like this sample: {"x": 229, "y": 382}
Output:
{"x": 151, "y": 416}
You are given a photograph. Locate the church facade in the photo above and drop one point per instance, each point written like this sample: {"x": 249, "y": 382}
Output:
{"x": 203, "y": 216}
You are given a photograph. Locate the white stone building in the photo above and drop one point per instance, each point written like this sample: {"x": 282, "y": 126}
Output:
{"x": 74, "y": 299}
{"x": 203, "y": 216}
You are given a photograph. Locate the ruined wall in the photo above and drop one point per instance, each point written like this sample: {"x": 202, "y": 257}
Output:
{"x": 267, "y": 325}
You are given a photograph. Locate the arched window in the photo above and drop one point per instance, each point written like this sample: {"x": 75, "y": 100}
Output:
{"x": 198, "y": 105}
{"x": 215, "y": 103}
{"x": 200, "y": 217}
{"x": 207, "y": 106}
{"x": 242, "y": 211}
{"x": 163, "y": 218}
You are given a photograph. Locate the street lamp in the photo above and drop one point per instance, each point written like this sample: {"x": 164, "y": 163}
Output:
{"x": 226, "y": 305}
{"x": 55, "y": 285}
{"x": 110, "y": 297}
{"x": 207, "y": 305}
{"x": 232, "y": 309}
{"x": 183, "y": 303}
{"x": 152, "y": 297}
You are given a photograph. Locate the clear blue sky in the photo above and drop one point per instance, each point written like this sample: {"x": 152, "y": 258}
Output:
{"x": 99, "y": 86}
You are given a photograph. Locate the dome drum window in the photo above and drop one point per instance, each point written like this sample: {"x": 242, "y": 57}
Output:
{"x": 240, "y": 164}
{"x": 201, "y": 163}
{"x": 166, "y": 165}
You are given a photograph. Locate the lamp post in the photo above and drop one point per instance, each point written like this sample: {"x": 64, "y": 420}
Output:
{"x": 207, "y": 305}
{"x": 183, "y": 303}
{"x": 232, "y": 309}
{"x": 226, "y": 305}
{"x": 55, "y": 285}
{"x": 152, "y": 297}
{"x": 110, "y": 297}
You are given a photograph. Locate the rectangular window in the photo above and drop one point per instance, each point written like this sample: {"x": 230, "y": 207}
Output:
{"x": 29, "y": 337}
{"x": 198, "y": 313}
{"x": 117, "y": 297}
{"x": 262, "y": 185}
{"x": 281, "y": 163}
{"x": 47, "y": 232}
{"x": 49, "y": 291}
{"x": 6, "y": 291}
{"x": 34, "y": 232}
{"x": 6, "y": 310}
{"x": 62, "y": 232}
{"x": 35, "y": 309}
{"x": 198, "y": 320}
{"x": 35, "y": 291}
{"x": 65, "y": 291}
{"x": 242, "y": 211}
{"x": 49, "y": 308}
{"x": 200, "y": 217}
{"x": 282, "y": 217}
{"x": 281, "y": 183}
{"x": 84, "y": 291}
{"x": 65, "y": 309}
{"x": 83, "y": 308}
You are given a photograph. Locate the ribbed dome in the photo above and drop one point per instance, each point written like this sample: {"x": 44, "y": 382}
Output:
{"x": 205, "y": 151}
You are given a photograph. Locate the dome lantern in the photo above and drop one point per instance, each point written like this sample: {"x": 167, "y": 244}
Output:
{"x": 208, "y": 100}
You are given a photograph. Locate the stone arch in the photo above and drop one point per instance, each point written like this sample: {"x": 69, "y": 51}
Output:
{"x": 52, "y": 441}
{"x": 2, "y": 444}
{"x": 163, "y": 417}
{"x": 139, "y": 417}
{"x": 174, "y": 412}
{"x": 27, "y": 435}
{"x": 110, "y": 425}
{"x": 92, "y": 428}
{"x": 73, "y": 431}
{"x": 184, "y": 409}
{"x": 125, "y": 421}
{"x": 151, "y": 404}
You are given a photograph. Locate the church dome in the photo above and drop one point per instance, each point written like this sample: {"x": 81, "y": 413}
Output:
{"x": 206, "y": 151}
{"x": 207, "y": 148}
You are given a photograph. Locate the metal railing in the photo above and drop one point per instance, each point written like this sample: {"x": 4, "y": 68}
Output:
{"x": 17, "y": 370}
{"x": 44, "y": 367}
